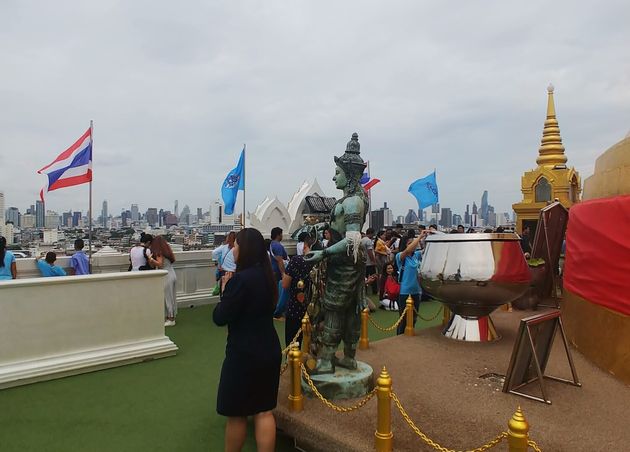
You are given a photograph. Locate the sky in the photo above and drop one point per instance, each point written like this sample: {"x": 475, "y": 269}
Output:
{"x": 176, "y": 88}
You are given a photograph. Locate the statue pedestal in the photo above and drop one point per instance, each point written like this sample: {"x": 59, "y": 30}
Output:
{"x": 344, "y": 383}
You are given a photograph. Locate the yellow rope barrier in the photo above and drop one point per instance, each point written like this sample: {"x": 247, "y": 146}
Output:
{"x": 390, "y": 328}
{"x": 339, "y": 409}
{"x": 432, "y": 318}
{"x": 284, "y": 352}
{"x": 531, "y": 443}
{"x": 489, "y": 445}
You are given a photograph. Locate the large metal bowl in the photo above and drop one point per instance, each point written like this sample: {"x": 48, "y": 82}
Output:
{"x": 474, "y": 273}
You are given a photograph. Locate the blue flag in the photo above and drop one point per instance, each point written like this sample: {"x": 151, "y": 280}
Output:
{"x": 234, "y": 181}
{"x": 425, "y": 190}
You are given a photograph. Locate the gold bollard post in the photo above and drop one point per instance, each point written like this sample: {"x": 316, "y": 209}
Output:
{"x": 518, "y": 429}
{"x": 384, "y": 438}
{"x": 306, "y": 336}
{"x": 296, "y": 399}
{"x": 409, "y": 318}
{"x": 364, "y": 341}
{"x": 447, "y": 315}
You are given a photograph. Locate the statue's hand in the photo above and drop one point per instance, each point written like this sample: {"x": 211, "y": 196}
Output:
{"x": 314, "y": 257}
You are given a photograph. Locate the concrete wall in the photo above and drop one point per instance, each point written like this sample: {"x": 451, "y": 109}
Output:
{"x": 53, "y": 327}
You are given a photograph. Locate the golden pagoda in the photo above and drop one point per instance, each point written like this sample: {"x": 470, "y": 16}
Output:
{"x": 551, "y": 179}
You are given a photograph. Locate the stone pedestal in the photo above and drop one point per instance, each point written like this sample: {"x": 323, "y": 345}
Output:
{"x": 344, "y": 383}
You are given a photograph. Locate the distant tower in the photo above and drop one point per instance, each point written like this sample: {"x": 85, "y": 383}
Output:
{"x": 104, "y": 214}
{"x": 2, "y": 219}
{"x": 484, "y": 206}
{"x": 135, "y": 214}
{"x": 551, "y": 179}
{"x": 40, "y": 214}
{"x": 176, "y": 210}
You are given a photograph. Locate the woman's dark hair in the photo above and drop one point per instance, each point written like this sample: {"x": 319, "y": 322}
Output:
{"x": 3, "y": 248}
{"x": 160, "y": 247}
{"x": 146, "y": 238}
{"x": 252, "y": 252}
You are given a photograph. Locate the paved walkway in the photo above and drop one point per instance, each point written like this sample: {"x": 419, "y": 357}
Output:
{"x": 437, "y": 381}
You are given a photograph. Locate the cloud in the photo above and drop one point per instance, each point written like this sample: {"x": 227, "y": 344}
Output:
{"x": 175, "y": 90}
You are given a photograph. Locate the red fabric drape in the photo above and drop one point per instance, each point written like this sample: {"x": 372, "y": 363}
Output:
{"x": 597, "y": 258}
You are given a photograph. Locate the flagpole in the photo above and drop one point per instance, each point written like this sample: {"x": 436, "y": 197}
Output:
{"x": 90, "y": 207}
{"x": 244, "y": 182}
{"x": 369, "y": 199}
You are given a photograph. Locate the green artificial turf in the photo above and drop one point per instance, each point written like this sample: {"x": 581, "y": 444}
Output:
{"x": 161, "y": 405}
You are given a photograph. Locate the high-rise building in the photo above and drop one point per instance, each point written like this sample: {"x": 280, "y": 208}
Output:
{"x": 152, "y": 216}
{"x": 474, "y": 209}
{"x": 104, "y": 214}
{"x": 2, "y": 218}
{"x": 216, "y": 212}
{"x": 184, "y": 218}
{"x": 446, "y": 219}
{"x": 199, "y": 215}
{"x": 13, "y": 216}
{"x": 484, "y": 206}
{"x": 467, "y": 215}
{"x": 40, "y": 214}
{"x": 420, "y": 215}
{"x": 411, "y": 217}
{"x": 28, "y": 221}
{"x": 176, "y": 210}
{"x": 66, "y": 219}
{"x": 457, "y": 220}
{"x": 76, "y": 219}
{"x": 435, "y": 208}
{"x": 135, "y": 214}
{"x": 381, "y": 218}
{"x": 51, "y": 220}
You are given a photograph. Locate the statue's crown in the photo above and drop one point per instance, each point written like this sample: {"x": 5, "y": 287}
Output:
{"x": 351, "y": 161}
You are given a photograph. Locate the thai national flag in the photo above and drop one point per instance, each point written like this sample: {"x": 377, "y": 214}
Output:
{"x": 72, "y": 167}
{"x": 367, "y": 182}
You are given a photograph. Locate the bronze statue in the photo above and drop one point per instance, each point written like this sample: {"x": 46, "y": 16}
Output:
{"x": 343, "y": 297}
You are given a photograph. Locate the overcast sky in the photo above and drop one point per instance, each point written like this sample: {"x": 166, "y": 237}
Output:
{"x": 176, "y": 88}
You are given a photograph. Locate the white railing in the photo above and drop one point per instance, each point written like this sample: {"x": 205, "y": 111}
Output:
{"x": 195, "y": 273}
{"x": 54, "y": 327}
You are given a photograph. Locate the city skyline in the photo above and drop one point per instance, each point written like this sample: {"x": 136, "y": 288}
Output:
{"x": 198, "y": 82}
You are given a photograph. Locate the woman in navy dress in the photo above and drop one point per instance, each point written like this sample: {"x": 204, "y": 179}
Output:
{"x": 251, "y": 369}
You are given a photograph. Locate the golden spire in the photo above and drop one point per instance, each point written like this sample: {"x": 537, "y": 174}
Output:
{"x": 551, "y": 150}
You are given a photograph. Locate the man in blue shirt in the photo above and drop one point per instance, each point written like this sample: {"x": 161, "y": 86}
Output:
{"x": 278, "y": 253}
{"x": 408, "y": 262}
{"x": 79, "y": 261}
{"x": 47, "y": 266}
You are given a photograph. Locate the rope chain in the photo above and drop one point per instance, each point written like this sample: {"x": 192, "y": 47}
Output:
{"x": 531, "y": 443}
{"x": 284, "y": 367}
{"x": 490, "y": 444}
{"x": 284, "y": 352}
{"x": 432, "y": 318}
{"x": 339, "y": 409}
{"x": 391, "y": 328}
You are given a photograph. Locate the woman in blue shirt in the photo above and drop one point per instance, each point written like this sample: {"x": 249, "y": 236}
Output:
{"x": 7, "y": 262}
{"x": 408, "y": 262}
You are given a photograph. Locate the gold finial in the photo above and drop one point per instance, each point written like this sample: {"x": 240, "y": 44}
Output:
{"x": 518, "y": 424}
{"x": 551, "y": 151}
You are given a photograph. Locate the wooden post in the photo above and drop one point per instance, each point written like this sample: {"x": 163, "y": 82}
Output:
{"x": 383, "y": 437}
{"x": 364, "y": 341}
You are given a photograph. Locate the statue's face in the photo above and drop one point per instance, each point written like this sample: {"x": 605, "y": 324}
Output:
{"x": 341, "y": 180}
